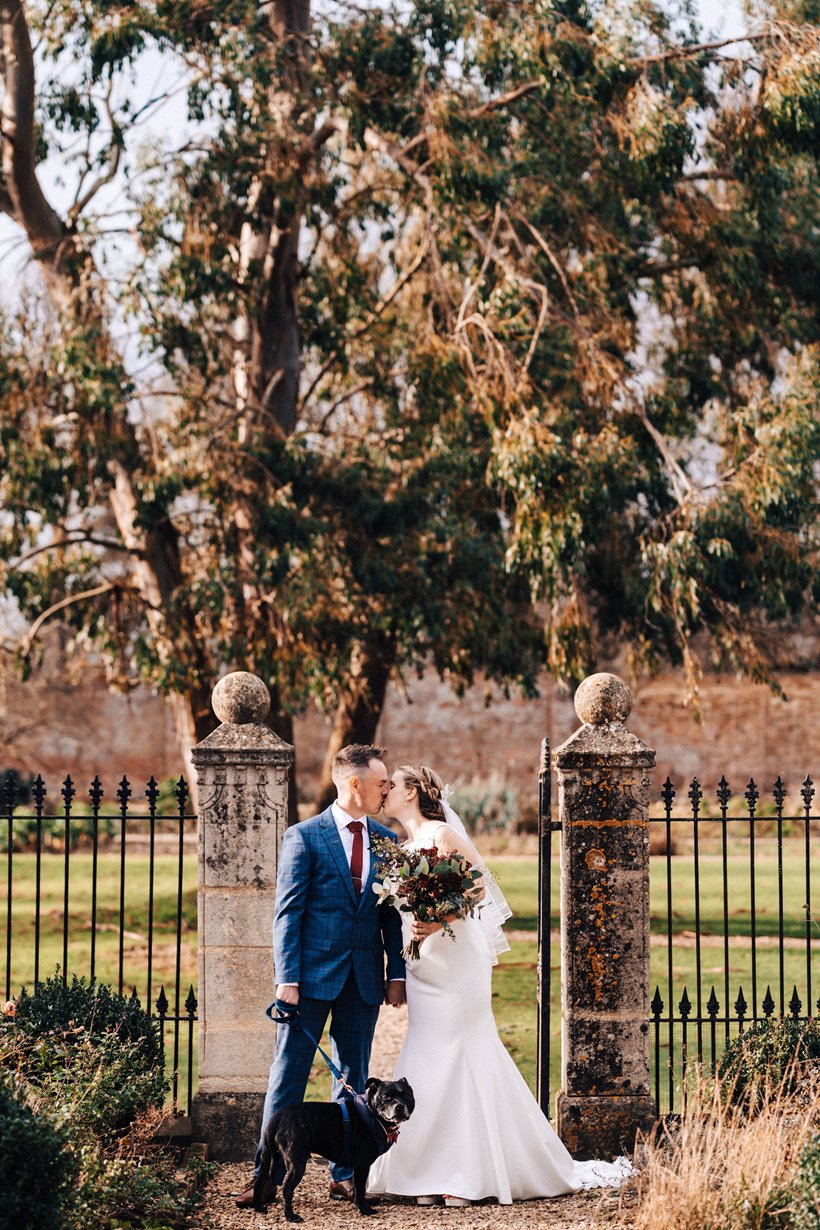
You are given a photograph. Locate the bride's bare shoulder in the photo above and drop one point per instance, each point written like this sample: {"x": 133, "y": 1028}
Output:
{"x": 451, "y": 841}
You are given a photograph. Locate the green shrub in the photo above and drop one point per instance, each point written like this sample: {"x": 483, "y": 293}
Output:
{"x": 774, "y": 1051}
{"x": 805, "y": 1198}
{"x": 55, "y": 1009}
{"x": 89, "y": 1051}
{"x": 36, "y": 1171}
{"x": 145, "y": 1191}
{"x": 97, "y": 1086}
{"x": 487, "y": 804}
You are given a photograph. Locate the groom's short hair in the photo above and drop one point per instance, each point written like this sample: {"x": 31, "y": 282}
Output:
{"x": 354, "y": 758}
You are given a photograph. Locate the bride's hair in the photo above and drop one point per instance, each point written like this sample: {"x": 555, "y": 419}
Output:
{"x": 429, "y": 787}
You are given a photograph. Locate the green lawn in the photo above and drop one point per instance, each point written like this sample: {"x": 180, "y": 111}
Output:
{"x": 107, "y": 955}
{"x": 515, "y": 979}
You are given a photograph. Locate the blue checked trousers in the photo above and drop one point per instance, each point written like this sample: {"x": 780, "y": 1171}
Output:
{"x": 352, "y": 1025}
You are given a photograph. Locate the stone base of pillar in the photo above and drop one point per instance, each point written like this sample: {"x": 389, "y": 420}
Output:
{"x": 228, "y": 1123}
{"x": 602, "y": 1127}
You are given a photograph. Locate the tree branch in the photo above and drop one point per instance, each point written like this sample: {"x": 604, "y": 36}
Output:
{"x": 105, "y": 588}
{"x": 29, "y": 206}
{"x": 504, "y": 100}
{"x": 110, "y": 543}
{"x": 373, "y": 316}
{"x": 114, "y": 155}
{"x": 696, "y": 49}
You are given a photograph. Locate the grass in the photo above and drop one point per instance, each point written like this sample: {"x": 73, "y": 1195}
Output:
{"x": 515, "y": 979}
{"x": 724, "y": 1168}
{"x": 135, "y": 934}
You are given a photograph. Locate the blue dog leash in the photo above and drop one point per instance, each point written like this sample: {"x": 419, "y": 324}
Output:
{"x": 287, "y": 1014}
{"x": 284, "y": 1017}
{"x": 281, "y": 1013}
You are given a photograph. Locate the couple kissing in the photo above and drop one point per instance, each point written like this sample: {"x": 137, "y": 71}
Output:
{"x": 477, "y": 1133}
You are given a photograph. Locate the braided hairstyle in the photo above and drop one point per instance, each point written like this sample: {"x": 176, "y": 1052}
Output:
{"x": 429, "y": 787}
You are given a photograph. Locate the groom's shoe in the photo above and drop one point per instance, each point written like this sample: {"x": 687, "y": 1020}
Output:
{"x": 341, "y": 1191}
{"x": 245, "y": 1200}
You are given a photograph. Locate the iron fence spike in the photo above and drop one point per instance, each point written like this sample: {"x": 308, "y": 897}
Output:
{"x": 9, "y": 789}
{"x": 181, "y": 793}
{"x": 723, "y": 792}
{"x": 779, "y": 793}
{"x": 695, "y": 796}
{"x": 752, "y": 794}
{"x": 152, "y": 793}
{"x": 39, "y": 791}
{"x": 668, "y": 793}
{"x": 807, "y": 791}
{"x": 96, "y": 791}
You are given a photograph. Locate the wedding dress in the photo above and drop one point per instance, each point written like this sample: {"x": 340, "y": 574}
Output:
{"x": 476, "y": 1131}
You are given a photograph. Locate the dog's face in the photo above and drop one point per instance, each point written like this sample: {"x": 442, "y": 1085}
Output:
{"x": 392, "y": 1101}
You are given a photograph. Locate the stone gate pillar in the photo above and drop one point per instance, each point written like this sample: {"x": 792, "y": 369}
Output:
{"x": 242, "y": 770}
{"x": 603, "y": 795}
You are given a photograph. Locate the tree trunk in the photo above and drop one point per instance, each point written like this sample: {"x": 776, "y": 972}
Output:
{"x": 360, "y": 707}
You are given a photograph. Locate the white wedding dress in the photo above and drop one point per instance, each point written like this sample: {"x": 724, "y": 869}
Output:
{"x": 476, "y": 1131}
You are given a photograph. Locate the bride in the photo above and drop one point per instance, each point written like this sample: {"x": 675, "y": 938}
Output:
{"x": 477, "y": 1132}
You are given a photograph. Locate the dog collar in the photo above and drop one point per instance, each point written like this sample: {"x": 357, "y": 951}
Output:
{"x": 383, "y": 1136}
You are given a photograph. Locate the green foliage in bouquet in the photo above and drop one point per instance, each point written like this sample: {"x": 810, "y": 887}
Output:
{"x": 431, "y": 886}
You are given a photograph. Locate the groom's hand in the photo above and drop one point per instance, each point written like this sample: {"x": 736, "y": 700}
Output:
{"x": 288, "y": 994}
{"x": 395, "y": 993}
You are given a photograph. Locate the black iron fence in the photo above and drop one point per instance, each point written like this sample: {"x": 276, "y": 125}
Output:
{"x": 108, "y": 893}
{"x": 732, "y": 928}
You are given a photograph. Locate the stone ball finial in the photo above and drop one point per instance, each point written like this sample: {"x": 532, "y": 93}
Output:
{"x": 240, "y": 698}
{"x": 603, "y": 700}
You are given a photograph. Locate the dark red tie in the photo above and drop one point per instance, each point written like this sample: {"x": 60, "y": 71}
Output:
{"x": 357, "y": 856}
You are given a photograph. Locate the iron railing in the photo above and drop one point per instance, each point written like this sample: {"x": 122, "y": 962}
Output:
{"x": 739, "y": 887}
{"x": 752, "y": 866}
{"x": 77, "y": 877}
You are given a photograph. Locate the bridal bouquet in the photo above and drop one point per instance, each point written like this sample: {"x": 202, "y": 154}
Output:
{"x": 432, "y": 887}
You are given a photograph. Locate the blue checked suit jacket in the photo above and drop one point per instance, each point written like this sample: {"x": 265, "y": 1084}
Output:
{"x": 320, "y": 927}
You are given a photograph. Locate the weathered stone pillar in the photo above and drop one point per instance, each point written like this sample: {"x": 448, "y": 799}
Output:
{"x": 242, "y": 770}
{"x": 603, "y": 785}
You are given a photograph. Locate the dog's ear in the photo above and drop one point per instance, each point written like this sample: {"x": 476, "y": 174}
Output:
{"x": 371, "y": 1083}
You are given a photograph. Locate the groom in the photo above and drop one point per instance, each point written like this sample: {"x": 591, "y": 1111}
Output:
{"x": 329, "y": 942}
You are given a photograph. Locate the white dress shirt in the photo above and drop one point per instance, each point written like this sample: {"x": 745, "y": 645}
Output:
{"x": 342, "y": 820}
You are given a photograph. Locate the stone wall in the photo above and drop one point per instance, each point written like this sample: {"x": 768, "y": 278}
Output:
{"x": 52, "y": 727}
{"x": 745, "y": 731}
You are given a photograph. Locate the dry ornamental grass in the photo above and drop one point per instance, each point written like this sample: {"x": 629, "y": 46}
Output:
{"x": 721, "y": 1167}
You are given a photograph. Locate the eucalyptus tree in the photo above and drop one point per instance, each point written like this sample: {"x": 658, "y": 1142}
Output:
{"x": 468, "y": 331}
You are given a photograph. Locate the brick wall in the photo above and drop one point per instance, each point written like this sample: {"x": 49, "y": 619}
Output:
{"x": 53, "y": 727}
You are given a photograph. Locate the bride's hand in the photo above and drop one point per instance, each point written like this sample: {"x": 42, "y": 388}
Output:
{"x": 420, "y": 930}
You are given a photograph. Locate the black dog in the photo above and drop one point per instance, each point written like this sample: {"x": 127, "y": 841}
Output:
{"x": 319, "y": 1127}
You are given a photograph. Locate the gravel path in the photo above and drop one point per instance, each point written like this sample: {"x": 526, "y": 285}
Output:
{"x": 586, "y": 1211}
